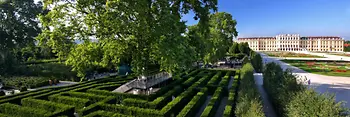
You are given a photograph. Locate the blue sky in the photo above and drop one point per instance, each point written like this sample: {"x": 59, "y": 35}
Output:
{"x": 272, "y": 17}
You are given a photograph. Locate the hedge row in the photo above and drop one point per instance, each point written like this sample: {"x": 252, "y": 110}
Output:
{"x": 249, "y": 102}
{"x": 17, "y": 99}
{"x": 172, "y": 108}
{"x": 215, "y": 80}
{"x": 155, "y": 104}
{"x": 19, "y": 111}
{"x": 94, "y": 107}
{"x": 56, "y": 109}
{"x": 110, "y": 87}
{"x": 101, "y": 113}
{"x": 214, "y": 103}
{"x": 291, "y": 98}
{"x": 228, "y": 112}
{"x": 92, "y": 97}
{"x": 194, "y": 105}
{"x": 119, "y": 96}
{"x": 78, "y": 103}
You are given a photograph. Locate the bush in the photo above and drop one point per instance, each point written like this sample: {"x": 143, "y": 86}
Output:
{"x": 256, "y": 61}
{"x": 15, "y": 110}
{"x": 23, "y": 89}
{"x": 16, "y": 98}
{"x": 310, "y": 103}
{"x": 54, "y": 108}
{"x": 214, "y": 103}
{"x": 101, "y": 113}
{"x": 2, "y": 93}
{"x": 249, "y": 103}
{"x": 292, "y": 98}
{"x": 78, "y": 103}
{"x": 92, "y": 97}
{"x": 194, "y": 105}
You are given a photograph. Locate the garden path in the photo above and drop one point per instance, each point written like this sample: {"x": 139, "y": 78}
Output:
{"x": 223, "y": 103}
{"x": 200, "y": 111}
{"x": 62, "y": 83}
{"x": 267, "y": 105}
{"x": 340, "y": 86}
{"x": 328, "y": 56}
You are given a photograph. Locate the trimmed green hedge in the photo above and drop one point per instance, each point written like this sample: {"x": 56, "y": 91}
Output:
{"x": 194, "y": 105}
{"x": 78, "y": 103}
{"x": 17, "y": 98}
{"x": 19, "y": 111}
{"x": 214, "y": 103}
{"x": 92, "y": 97}
{"x": 249, "y": 103}
{"x": 119, "y": 96}
{"x": 56, "y": 109}
{"x": 94, "y": 107}
{"x": 101, "y": 113}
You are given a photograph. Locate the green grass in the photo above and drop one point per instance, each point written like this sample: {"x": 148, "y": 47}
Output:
{"x": 291, "y": 54}
{"x": 322, "y": 68}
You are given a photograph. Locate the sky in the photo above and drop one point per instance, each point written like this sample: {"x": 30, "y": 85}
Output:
{"x": 272, "y": 17}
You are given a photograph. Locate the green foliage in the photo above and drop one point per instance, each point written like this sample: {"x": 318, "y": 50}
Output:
{"x": 149, "y": 32}
{"x": 101, "y": 113}
{"x": 292, "y": 98}
{"x": 78, "y": 103}
{"x": 54, "y": 108}
{"x": 92, "y": 97}
{"x": 23, "y": 89}
{"x": 244, "y": 48}
{"x": 18, "y": 25}
{"x": 249, "y": 103}
{"x": 19, "y": 111}
{"x": 256, "y": 61}
{"x": 234, "y": 49}
{"x": 310, "y": 103}
{"x": 245, "y": 60}
{"x": 193, "y": 106}
{"x": 214, "y": 102}
{"x": 2, "y": 93}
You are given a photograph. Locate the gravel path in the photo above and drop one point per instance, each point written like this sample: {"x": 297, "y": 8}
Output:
{"x": 223, "y": 103}
{"x": 340, "y": 86}
{"x": 199, "y": 113}
{"x": 62, "y": 83}
{"x": 267, "y": 105}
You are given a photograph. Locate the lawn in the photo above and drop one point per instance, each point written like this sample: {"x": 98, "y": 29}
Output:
{"x": 340, "y": 54}
{"x": 328, "y": 68}
{"x": 291, "y": 54}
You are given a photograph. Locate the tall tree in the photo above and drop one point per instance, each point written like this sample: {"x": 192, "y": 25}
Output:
{"x": 234, "y": 48}
{"x": 18, "y": 23}
{"x": 149, "y": 31}
{"x": 18, "y": 27}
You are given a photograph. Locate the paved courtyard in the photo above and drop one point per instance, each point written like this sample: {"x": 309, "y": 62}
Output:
{"x": 340, "y": 86}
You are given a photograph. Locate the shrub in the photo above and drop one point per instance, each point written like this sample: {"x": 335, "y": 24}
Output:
{"x": 92, "y": 97}
{"x": 292, "y": 98}
{"x": 256, "y": 61}
{"x": 23, "y": 89}
{"x": 2, "y": 93}
{"x": 193, "y": 106}
{"x": 101, "y": 113}
{"x": 228, "y": 111}
{"x": 15, "y": 110}
{"x": 214, "y": 103}
{"x": 78, "y": 103}
{"x": 17, "y": 98}
{"x": 133, "y": 111}
{"x": 54, "y": 108}
{"x": 249, "y": 103}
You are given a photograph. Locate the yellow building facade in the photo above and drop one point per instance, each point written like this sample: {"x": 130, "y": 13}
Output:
{"x": 294, "y": 42}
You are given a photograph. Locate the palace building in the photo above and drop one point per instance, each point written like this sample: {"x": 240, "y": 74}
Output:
{"x": 294, "y": 42}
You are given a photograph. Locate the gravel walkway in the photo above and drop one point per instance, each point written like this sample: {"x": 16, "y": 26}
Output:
{"x": 267, "y": 105}
{"x": 199, "y": 113}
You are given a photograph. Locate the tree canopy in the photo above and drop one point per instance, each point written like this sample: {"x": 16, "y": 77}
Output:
{"x": 148, "y": 32}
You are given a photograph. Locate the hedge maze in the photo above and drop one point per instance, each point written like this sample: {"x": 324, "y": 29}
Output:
{"x": 185, "y": 94}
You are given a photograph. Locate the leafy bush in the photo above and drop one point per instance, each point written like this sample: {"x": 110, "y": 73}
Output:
{"x": 193, "y": 106}
{"x": 92, "y": 97}
{"x": 214, "y": 102}
{"x": 54, "y": 108}
{"x": 256, "y": 61}
{"x": 2, "y": 93}
{"x": 101, "y": 113}
{"x": 23, "y": 89}
{"x": 26, "y": 81}
{"x": 17, "y": 98}
{"x": 249, "y": 103}
{"x": 78, "y": 103}
{"x": 292, "y": 98}
{"x": 15, "y": 110}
